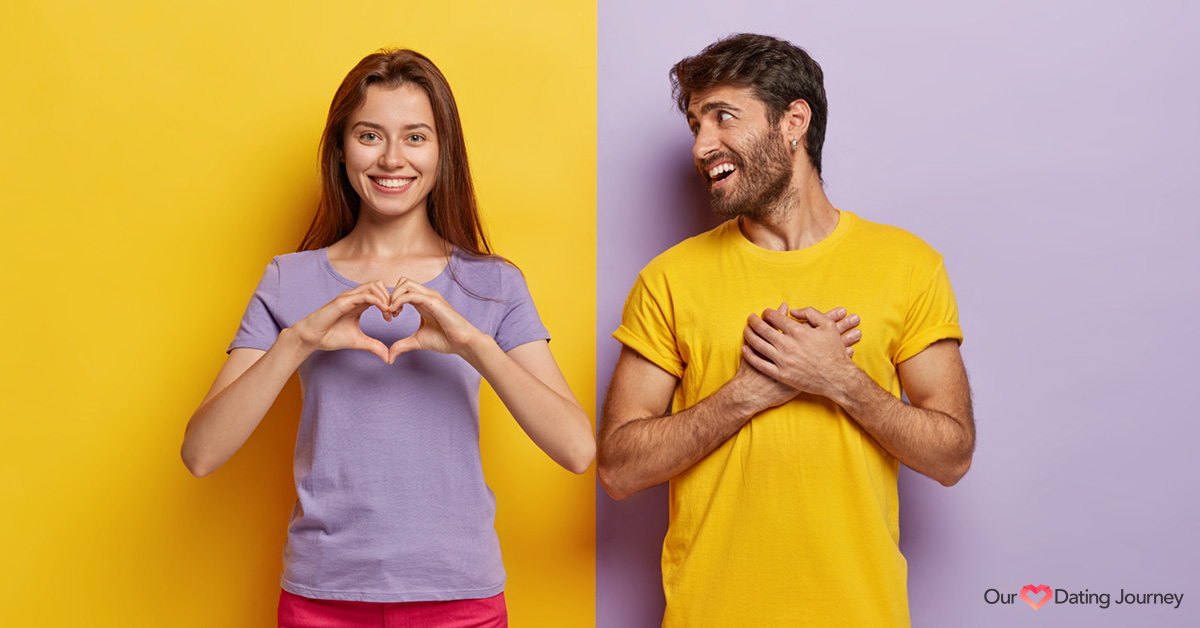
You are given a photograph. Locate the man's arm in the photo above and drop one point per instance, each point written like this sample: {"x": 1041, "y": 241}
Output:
{"x": 640, "y": 445}
{"x": 934, "y": 436}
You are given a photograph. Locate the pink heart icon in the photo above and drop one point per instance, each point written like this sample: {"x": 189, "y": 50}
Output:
{"x": 1035, "y": 596}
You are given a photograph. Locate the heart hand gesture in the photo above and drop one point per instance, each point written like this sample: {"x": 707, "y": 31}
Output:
{"x": 442, "y": 328}
{"x": 335, "y": 325}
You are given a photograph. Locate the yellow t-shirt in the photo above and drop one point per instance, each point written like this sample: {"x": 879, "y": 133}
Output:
{"x": 794, "y": 520}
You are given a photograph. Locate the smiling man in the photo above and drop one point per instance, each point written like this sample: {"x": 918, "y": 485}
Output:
{"x": 782, "y": 431}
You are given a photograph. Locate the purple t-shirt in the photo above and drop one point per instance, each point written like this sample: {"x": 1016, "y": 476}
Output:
{"x": 392, "y": 505}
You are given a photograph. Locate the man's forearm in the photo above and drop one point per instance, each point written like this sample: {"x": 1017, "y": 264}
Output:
{"x": 648, "y": 451}
{"x": 934, "y": 436}
{"x": 935, "y": 441}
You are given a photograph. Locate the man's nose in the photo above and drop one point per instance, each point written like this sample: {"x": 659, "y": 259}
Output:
{"x": 705, "y": 144}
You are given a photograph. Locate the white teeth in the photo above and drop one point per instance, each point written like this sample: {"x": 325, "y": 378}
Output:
{"x": 393, "y": 183}
{"x": 725, "y": 167}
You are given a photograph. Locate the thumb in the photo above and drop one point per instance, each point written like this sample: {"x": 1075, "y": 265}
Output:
{"x": 402, "y": 346}
{"x": 371, "y": 345}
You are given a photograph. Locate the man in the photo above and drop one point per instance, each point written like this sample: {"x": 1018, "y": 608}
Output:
{"x": 782, "y": 445}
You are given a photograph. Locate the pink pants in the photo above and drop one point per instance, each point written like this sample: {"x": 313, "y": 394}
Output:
{"x": 301, "y": 612}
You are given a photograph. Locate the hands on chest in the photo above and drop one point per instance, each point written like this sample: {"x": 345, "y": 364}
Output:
{"x": 790, "y": 351}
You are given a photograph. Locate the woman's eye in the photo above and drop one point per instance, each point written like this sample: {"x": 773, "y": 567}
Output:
{"x": 369, "y": 136}
{"x": 416, "y": 138}
{"x": 723, "y": 116}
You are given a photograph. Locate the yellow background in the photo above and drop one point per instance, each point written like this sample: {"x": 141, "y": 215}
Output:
{"x": 154, "y": 158}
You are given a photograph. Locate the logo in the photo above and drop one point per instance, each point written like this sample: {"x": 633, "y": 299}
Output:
{"x": 1035, "y": 596}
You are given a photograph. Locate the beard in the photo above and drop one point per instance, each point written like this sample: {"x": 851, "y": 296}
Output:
{"x": 764, "y": 176}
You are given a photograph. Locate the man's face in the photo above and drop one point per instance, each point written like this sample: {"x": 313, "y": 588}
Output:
{"x": 741, "y": 155}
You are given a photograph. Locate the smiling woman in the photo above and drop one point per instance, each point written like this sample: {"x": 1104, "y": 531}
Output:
{"x": 392, "y": 311}
{"x": 390, "y": 150}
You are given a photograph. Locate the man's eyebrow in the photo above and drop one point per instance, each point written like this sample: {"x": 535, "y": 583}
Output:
{"x": 709, "y": 106}
{"x": 717, "y": 104}
{"x": 379, "y": 127}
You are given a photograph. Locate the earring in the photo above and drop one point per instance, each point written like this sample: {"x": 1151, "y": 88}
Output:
{"x": 795, "y": 144}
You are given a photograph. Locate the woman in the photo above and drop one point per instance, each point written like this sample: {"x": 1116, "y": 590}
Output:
{"x": 392, "y": 311}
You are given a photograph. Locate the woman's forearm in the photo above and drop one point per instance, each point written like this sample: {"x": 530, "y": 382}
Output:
{"x": 243, "y": 393}
{"x": 553, "y": 419}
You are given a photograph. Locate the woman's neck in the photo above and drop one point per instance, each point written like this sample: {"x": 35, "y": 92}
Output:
{"x": 386, "y": 237}
{"x": 389, "y": 248}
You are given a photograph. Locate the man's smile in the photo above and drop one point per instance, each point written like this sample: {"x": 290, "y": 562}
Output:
{"x": 720, "y": 172}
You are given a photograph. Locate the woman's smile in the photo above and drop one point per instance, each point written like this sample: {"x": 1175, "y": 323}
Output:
{"x": 390, "y": 150}
{"x": 392, "y": 185}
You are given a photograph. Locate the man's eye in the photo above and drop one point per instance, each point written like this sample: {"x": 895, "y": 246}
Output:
{"x": 723, "y": 116}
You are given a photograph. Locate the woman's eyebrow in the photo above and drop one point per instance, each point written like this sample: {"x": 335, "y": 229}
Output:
{"x": 407, "y": 127}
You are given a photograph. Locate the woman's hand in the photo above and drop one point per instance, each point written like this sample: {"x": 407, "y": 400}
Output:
{"x": 335, "y": 325}
{"x": 442, "y": 328}
{"x": 526, "y": 378}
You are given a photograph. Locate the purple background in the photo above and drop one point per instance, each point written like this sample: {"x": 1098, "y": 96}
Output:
{"x": 1049, "y": 152}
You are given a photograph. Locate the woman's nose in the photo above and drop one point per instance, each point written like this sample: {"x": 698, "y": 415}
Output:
{"x": 393, "y": 156}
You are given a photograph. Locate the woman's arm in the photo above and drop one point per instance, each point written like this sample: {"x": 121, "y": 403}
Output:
{"x": 532, "y": 387}
{"x": 526, "y": 378}
{"x": 244, "y": 390}
{"x": 250, "y": 380}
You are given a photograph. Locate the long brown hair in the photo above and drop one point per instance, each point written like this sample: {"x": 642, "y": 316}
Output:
{"x": 452, "y": 208}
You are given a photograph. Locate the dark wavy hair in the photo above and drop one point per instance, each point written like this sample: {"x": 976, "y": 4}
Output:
{"x": 778, "y": 72}
{"x": 452, "y": 207}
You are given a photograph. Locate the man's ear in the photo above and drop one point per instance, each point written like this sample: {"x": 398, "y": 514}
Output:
{"x": 794, "y": 122}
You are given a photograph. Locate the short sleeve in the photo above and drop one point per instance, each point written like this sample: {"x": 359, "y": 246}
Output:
{"x": 648, "y": 325}
{"x": 932, "y": 315}
{"x": 259, "y": 327}
{"x": 519, "y": 323}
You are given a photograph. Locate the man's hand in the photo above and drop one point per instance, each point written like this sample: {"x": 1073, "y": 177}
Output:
{"x": 640, "y": 445}
{"x": 758, "y": 389}
{"x": 807, "y": 351}
{"x": 934, "y": 436}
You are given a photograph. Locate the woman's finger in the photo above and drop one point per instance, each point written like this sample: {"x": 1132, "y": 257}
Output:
{"x": 403, "y": 286}
{"x": 366, "y": 299}
{"x": 379, "y": 290}
{"x": 426, "y": 304}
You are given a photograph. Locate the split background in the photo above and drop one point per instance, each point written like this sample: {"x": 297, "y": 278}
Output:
{"x": 156, "y": 156}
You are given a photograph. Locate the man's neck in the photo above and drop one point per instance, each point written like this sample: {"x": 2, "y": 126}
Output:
{"x": 803, "y": 218}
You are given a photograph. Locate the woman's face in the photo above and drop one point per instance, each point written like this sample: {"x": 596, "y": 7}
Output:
{"x": 390, "y": 150}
